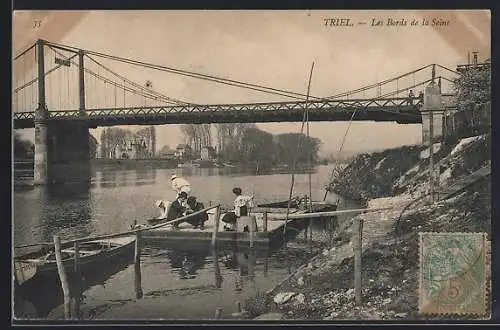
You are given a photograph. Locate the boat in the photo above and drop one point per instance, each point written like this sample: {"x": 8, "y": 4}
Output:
{"x": 42, "y": 262}
{"x": 282, "y": 204}
{"x": 298, "y": 203}
{"x": 203, "y": 163}
{"x": 44, "y": 294}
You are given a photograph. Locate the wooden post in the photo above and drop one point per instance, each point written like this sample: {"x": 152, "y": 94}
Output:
{"x": 78, "y": 278}
{"x": 310, "y": 233}
{"x": 265, "y": 221}
{"x": 358, "y": 244}
{"x": 218, "y": 277}
{"x": 216, "y": 224}
{"x": 331, "y": 228}
{"x": 137, "y": 266}
{"x": 218, "y": 313}
{"x": 251, "y": 229}
{"x": 62, "y": 277}
{"x": 266, "y": 264}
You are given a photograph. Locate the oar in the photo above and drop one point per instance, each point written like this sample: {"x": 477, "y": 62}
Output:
{"x": 147, "y": 222}
{"x": 34, "y": 244}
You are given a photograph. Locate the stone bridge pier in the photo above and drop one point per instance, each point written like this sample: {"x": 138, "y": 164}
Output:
{"x": 62, "y": 152}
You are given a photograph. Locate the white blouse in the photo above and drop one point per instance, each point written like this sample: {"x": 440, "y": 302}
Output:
{"x": 240, "y": 201}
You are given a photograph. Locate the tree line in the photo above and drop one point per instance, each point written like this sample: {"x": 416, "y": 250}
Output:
{"x": 248, "y": 145}
{"x": 23, "y": 148}
{"x": 113, "y": 137}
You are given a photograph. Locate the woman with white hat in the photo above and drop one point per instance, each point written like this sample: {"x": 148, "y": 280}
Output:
{"x": 180, "y": 185}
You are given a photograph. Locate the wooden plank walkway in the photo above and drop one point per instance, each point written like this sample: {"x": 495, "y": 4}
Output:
{"x": 187, "y": 232}
{"x": 464, "y": 182}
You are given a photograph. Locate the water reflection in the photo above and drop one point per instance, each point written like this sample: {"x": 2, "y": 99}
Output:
{"x": 145, "y": 176}
{"x": 120, "y": 196}
{"x": 187, "y": 262}
{"x": 37, "y": 298}
{"x": 62, "y": 209}
{"x": 109, "y": 179}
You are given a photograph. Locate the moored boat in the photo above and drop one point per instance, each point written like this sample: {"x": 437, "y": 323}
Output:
{"x": 281, "y": 204}
{"x": 42, "y": 262}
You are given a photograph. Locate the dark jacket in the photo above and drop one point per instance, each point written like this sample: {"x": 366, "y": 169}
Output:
{"x": 175, "y": 210}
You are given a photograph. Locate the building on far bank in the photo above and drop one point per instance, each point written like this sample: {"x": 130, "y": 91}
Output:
{"x": 208, "y": 153}
{"x": 183, "y": 151}
{"x": 132, "y": 149}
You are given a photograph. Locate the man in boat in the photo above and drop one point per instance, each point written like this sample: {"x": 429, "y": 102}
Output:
{"x": 170, "y": 210}
{"x": 194, "y": 206}
{"x": 180, "y": 185}
{"x": 177, "y": 208}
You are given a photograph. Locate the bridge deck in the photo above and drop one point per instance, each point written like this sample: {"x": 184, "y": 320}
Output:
{"x": 390, "y": 109}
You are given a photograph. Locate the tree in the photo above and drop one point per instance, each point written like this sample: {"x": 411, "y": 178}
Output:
{"x": 116, "y": 136}
{"x": 257, "y": 148}
{"x": 165, "y": 150}
{"x": 92, "y": 146}
{"x": 229, "y": 139}
{"x": 473, "y": 86}
{"x": 286, "y": 148}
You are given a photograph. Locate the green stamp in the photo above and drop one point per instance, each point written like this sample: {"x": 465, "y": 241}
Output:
{"x": 452, "y": 277}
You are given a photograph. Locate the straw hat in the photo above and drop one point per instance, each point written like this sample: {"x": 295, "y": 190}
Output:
{"x": 173, "y": 177}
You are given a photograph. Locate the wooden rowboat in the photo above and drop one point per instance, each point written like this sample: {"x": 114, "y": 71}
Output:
{"x": 317, "y": 206}
{"x": 42, "y": 263}
{"x": 282, "y": 204}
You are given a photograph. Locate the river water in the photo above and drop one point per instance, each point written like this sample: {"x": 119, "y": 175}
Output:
{"x": 177, "y": 281}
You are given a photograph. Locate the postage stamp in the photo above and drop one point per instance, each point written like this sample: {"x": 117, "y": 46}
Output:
{"x": 453, "y": 272}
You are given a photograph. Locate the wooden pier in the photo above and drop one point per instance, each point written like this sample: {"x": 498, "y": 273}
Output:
{"x": 269, "y": 225}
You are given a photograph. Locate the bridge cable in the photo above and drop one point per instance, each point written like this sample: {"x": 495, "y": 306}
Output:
{"x": 60, "y": 80}
{"x": 345, "y": 136}
{"x": 448, "y": 69}
{"x": 226, "y": 81}
{"x": 45, "y": 75}
{"x": 25, "y": 51}
{"x": 24, "y": 82}
{"x": 378, "y": 84}
{"x": 231, "y": 82}
{"x": 221, "y": 80}
{"x": 295, "y": 156}
{"x": 68, "y": 74}
{"x": 100, "y": 77}
{"x": 146, "y": 90}
{"x": 33, "y": 100}
{"x": 134, "y": 83}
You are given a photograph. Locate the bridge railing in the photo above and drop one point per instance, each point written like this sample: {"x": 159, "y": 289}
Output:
{"x": 324, "y": 105}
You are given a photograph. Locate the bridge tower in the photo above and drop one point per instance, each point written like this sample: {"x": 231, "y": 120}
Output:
{"x": 432, "y": 128}
{"x": 62, "y": 149}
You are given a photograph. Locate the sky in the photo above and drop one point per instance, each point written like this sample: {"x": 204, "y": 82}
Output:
{"x": 271, "y": 48}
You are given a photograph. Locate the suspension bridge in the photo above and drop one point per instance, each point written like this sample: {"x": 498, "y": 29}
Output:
{"x": 62, "y": 91}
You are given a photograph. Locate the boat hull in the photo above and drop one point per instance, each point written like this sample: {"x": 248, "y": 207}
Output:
{"x": 282, "y": 204}
{"x": 122, "y": 248}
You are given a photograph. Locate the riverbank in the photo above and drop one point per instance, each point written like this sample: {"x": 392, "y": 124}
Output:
{"x": 324, "y": 289}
